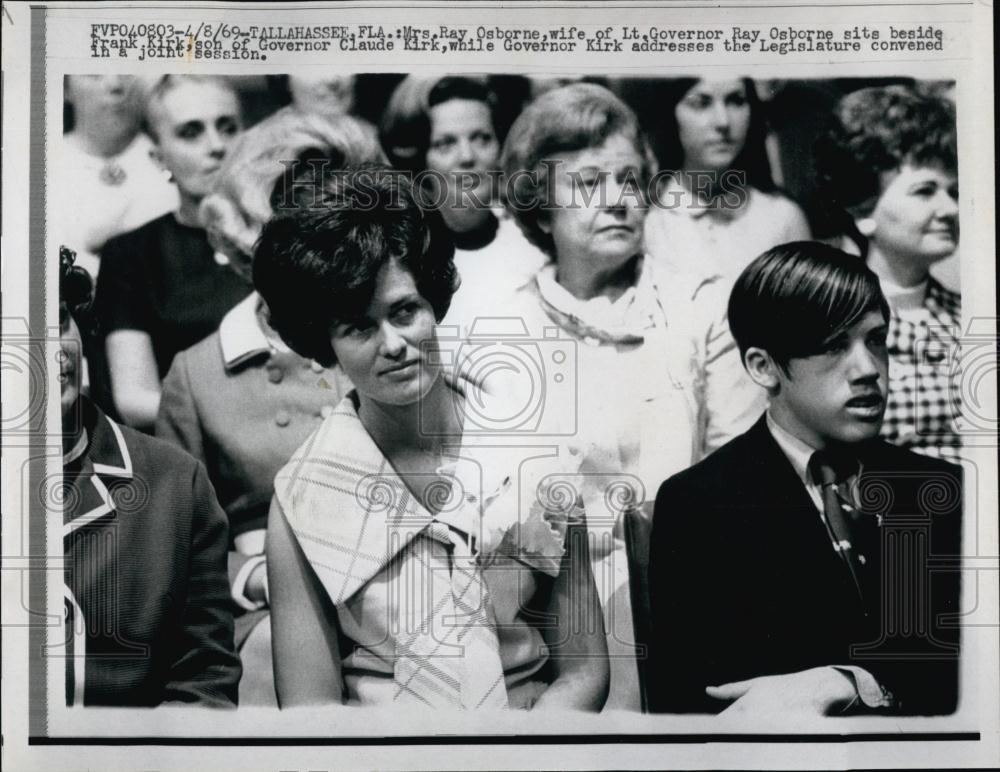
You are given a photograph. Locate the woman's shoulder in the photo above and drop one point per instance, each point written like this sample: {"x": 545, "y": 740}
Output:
{"x": 140, "y": 243}
{"x": 778, "y": 206}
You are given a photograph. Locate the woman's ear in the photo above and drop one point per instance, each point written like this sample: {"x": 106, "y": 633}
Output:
{"x": 157, "y": 157}
{"x": 866, "y": 226}
{"x": 762, "y": 368}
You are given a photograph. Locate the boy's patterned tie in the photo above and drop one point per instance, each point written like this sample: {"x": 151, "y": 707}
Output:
{"x": 838, "y": 523}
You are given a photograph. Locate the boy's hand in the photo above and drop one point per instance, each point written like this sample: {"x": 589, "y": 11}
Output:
{"x": 819, "y": 691}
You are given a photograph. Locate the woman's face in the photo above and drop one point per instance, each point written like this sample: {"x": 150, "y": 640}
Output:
{"x": 463, "y": 141}
{"x": 598, "y": 210}
{"x": 386, "y": 353}
{"x": 103, "y": 96}
{"x": 70, "y": 356}
{"x": 916, "y": 216}
{"x": 194, "y": 123}
{"x": 713, "y": 119}
{"x": 322, "y": 94}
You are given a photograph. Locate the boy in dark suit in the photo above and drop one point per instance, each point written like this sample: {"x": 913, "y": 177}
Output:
{"x": 807, "y": 567}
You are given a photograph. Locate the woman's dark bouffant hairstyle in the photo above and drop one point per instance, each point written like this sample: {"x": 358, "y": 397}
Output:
{"x": 876, "y": 130}
{"x": 405, "y": 131}
{"x": 316, "y": 263}
{"x": 76, "y": 289}
{"x": 825, "y": 290}
{"x": 752, "y": 159}
{"x": 567, "y": 119}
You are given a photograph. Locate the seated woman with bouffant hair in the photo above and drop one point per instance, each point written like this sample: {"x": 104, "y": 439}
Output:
{"x": 377, "y": 503}
{"x": 241, "y": 400}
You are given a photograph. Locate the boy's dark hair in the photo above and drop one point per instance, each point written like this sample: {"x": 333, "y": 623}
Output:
{"x": 76, "y": 289}
{"x": 795, "y": 297}
{"x": 317, "y": 263}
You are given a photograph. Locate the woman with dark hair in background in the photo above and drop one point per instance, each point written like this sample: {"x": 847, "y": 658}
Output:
{"x": 889, "y": 166}
{"x": 445, "y": 131}
{"x": 398, "y": 572}
{"x": 240, "y": 400}
{"x": 162, "y": 288}
{"x": 654, "y": 382}
{"x": 719, "y": 208}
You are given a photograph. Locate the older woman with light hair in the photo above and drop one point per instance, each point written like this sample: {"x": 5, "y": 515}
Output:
{"x": 240, "y": 400}
{"x": 888, "y": 166}
{"x": 658, "y": 379}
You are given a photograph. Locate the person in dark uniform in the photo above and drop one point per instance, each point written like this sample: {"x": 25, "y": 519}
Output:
{"x": 148, "y": 619}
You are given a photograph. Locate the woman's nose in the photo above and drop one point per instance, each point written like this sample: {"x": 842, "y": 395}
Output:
{"x": 720, "y": 116}
{"x": 216, "y": 143}
{"x": 947, "y": 204}
{"x": 392, "y": 344}
{"x": 465, "y": 158}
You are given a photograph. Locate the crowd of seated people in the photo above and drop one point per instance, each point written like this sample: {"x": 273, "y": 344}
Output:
{"x": 479, "y": 402}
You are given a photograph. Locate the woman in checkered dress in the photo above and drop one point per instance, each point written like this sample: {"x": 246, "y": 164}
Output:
{"x": 889, "y": 164}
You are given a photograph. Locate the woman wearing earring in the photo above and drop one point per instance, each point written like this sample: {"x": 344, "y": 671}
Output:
{"x": 654, "y": 382}
{"x": 889, "y": 166}
{"x": 401, "y": 570}
{"x": 719, "y": 208}
{"x": 240, "y": 400}
{"x": 162, "y": 288}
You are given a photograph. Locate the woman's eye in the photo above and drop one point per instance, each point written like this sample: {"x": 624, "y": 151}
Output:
{"x": 444, "y": 144}
{"x": 228, "y": 126}
{"x": 406, "y": 313}
{"x": 736, "y": 100}
{"x": 699, "y": 102}
{"x": 482, "y": 137}
{"x": 189, "y": 131}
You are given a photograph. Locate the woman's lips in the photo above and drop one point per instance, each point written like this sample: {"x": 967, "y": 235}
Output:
{"x": 403, "y": 369}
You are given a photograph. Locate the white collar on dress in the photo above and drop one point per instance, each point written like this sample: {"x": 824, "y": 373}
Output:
{"x": 241, "y": 336}
{"x": 904, "y": 298}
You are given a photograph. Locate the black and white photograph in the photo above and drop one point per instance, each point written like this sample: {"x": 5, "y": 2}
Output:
{"x": 499, "y": 386}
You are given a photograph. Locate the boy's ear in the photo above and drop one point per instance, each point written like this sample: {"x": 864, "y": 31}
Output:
{"x": 762, "y": 369}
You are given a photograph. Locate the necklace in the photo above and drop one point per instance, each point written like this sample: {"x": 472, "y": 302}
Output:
{"x": 112, "y": 173}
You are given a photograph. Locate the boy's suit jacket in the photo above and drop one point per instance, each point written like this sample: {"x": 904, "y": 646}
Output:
{"x": 744, "y": 580}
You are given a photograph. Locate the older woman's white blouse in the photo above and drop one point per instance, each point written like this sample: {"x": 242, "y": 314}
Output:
{"x": 656, "y": 384}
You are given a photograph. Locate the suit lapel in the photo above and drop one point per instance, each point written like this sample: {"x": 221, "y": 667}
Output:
{"x": 107, "y": 456}
{"x": 790, "y": 526}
